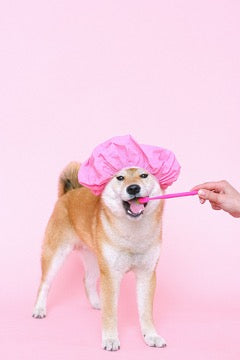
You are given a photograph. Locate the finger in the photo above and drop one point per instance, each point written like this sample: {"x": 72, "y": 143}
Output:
{"x": 211, "y": 185}
{"x": 216, "y": 207}
{"x": 212, "y": 196}
{"x": 202, "y": 201}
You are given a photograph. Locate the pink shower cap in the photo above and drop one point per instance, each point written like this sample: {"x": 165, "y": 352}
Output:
{"x": 122, "y": 152}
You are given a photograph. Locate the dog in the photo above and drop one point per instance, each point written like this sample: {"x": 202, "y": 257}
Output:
{"x": 115, "y": 234}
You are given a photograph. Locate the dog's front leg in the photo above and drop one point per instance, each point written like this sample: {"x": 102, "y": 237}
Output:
{"x": 109, "y": 286}
{"x": 146, "y": 283}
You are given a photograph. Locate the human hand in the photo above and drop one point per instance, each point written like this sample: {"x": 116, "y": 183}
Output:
{"x": 221, "y": 195}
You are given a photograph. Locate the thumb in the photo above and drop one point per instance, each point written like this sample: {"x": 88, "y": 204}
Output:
{"x": 210, "y": 195}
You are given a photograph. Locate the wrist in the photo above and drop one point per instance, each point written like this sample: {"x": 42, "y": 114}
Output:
{"x": 236, "y": 211}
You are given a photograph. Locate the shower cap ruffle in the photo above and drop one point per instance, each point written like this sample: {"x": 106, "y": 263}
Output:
{"x": 122, "y": 152}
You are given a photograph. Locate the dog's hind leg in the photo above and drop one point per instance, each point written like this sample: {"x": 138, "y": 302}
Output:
{"x": 52, "y": 259}
{"x": 91, "y": 276}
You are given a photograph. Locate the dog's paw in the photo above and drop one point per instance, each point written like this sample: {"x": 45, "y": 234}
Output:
{"x": 155, "y": 341}
{"x": 39, "y": 313}
{"x": 96, "y": 305}
{"x": 111, "y": 344}
{"x": 94, "y": 299}
{"x": 95, "y": 302}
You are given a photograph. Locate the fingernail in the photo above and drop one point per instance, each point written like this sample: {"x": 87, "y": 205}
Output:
{"x": 201, "y": 193}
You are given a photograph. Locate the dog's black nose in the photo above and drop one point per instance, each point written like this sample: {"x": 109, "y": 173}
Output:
{"x": 133, "y": 189}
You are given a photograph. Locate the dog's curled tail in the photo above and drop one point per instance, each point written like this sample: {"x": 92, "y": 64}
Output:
{"x": 68, "y": 179}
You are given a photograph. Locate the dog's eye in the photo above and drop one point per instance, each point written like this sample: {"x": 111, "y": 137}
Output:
{"x": 120, "y": 178}
{"x": 144, "y": 176}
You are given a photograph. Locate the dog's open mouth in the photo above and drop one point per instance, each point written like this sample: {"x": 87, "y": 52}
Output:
{"x": 133, "y": 208}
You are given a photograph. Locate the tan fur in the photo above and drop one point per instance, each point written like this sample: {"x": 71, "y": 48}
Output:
{"x": 83, "y": 220}
{"x": 68, "y": 179}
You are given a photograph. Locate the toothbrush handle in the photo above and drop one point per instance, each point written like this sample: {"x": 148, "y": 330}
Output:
{"x": 170, "y": 196}
{"x": 167, "y": 196}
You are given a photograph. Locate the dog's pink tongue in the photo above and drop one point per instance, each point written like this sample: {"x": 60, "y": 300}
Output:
{"x": 135, "y": 207}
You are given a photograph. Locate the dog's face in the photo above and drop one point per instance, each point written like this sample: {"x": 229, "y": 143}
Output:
{"x": 121, "y": 193}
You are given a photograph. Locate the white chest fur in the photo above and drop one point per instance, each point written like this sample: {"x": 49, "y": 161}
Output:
{"x": 123, "y": 261}
{"x": 134, "y": 245}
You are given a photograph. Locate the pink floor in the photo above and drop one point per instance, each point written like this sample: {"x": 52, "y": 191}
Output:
{"x": 72, "y": 329}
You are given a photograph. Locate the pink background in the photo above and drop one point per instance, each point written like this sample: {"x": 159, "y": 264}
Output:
{"x": 73, "y": 74}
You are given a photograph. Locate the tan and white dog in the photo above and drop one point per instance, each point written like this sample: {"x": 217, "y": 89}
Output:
{"x": 115, "y": 234}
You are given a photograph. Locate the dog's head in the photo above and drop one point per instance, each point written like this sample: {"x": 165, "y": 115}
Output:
{"x": 121, "y": 193}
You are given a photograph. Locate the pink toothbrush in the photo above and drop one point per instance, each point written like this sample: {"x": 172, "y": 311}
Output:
{"x": 143, "y": 200}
